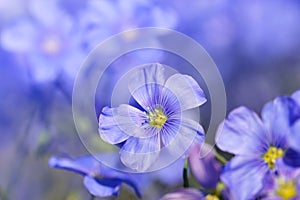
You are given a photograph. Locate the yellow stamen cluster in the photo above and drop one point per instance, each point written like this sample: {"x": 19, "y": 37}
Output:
{"x": 211, "y": 197}
{"x": 286, "y": 189}
{"x": 272, "y": 155}
{"x": 157, "y": 118}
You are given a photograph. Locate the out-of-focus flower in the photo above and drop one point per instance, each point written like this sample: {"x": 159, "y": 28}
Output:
{"x": 104, "y": 18}
{"x": 257, "y": 145}
{"x": 189, "y": 194}
{"x": 204, "y": 165}
{"x": 99, "y": 180}
{"x": 47, "y": 41}
{"x": 159, "y": 123}
{"x": 207, "y": 170}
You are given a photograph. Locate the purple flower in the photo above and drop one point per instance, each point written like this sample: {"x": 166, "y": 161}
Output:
{"x": 99, "y": 180}
{"x": 158, "y": 123}
{"x": 104, "y": 18}
{"x": 257, "y": 144}
{"x": 47, "y": 41}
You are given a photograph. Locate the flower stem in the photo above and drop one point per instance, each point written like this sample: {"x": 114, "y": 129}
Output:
{"x": 185, "y": 174}
{"x": 220, "y": 158}
{"x": 92, "y": 197}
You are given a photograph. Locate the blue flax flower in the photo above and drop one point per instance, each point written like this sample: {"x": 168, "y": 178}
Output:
{"x": 258, "y": 144}
{"x": 160, "y": 123}
{"x": 99, "y": 180}
{"x": 47, "y": 41}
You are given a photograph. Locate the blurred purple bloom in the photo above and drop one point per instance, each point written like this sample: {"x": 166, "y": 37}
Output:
{"x": 188, "y": 194}
{"x": 159, "y": 122}
{"x": 48, "y": 41}
{"x": 257, "y": 145}
{"x": 204, "y": 165}
{"x": 99, "y": 180}
{"x": 105, "y": 18}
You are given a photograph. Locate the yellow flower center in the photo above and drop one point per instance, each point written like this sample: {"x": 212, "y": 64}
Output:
{"x": 211, "y": 197}
{"x": 286, "y": 189}
{"x": 51, "y": 45}
{"x": 272, "y": 155}
{"x": 157, "y": 118}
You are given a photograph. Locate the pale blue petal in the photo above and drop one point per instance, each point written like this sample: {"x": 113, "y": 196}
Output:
{"x": 140, "y": 153}
{"x": 102, "y": 188}
{"x": 244, "y": 177}
{"x": 279, "y": 116}
{"x": 296, "y": 97}
{"x": 109, "y": 129}
{"x": 47, "y": 12}
{"x": 187, "y": 90}
{"x": 178, "y": 141}
{"x": 242, "y": 133}
{"x": 187, "y": 194}
{"x": 19, "y": 37}
{"x": 294, "y": 137}
{"x": 146, "y": 83}
{"x": 132, "y": 121}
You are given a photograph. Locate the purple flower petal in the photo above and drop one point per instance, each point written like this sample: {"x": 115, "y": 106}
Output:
{"x": 188, "y": 194}
{"x": 140, "y": 153}
{"x": 204, "y": 165}
{"x": 294, "y": 138}
{"x": 244, "y": 177}
{"x": 278, "y": 116}
{"x": 186, "y": 90}
{"x": 296, "y": 97}
{"x": 47, "y": 12}
{"x": 72, "y": 165}
{"x": 102, "y": 188}
{"x": 242, "y": 133}
{"x": 146, "y": 83}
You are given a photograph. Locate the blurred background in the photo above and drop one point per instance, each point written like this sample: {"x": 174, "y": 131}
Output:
{"x": 255, "y": 45}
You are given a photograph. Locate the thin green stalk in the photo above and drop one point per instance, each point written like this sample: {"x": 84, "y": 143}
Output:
{"x": 220, "y": 158}
{"x": 185, "y": 174}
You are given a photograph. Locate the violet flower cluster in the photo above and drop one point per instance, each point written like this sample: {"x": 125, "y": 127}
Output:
{"x": 265, "y": 162}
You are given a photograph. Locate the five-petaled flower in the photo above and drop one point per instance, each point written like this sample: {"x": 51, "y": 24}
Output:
{"x": 257, "y": 144}
{"x": 160, "y": 123}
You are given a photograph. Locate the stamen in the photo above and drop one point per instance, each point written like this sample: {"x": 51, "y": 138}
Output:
{"x": 272, "y": 155}
{"x": 211, "y": 197}
{"x": 157, "y": 118}
{"x": 286, "y": 189}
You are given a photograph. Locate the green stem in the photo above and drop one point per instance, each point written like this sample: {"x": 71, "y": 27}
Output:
{"x": 185, "y": 174}
{"x": 220, "y": 158}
